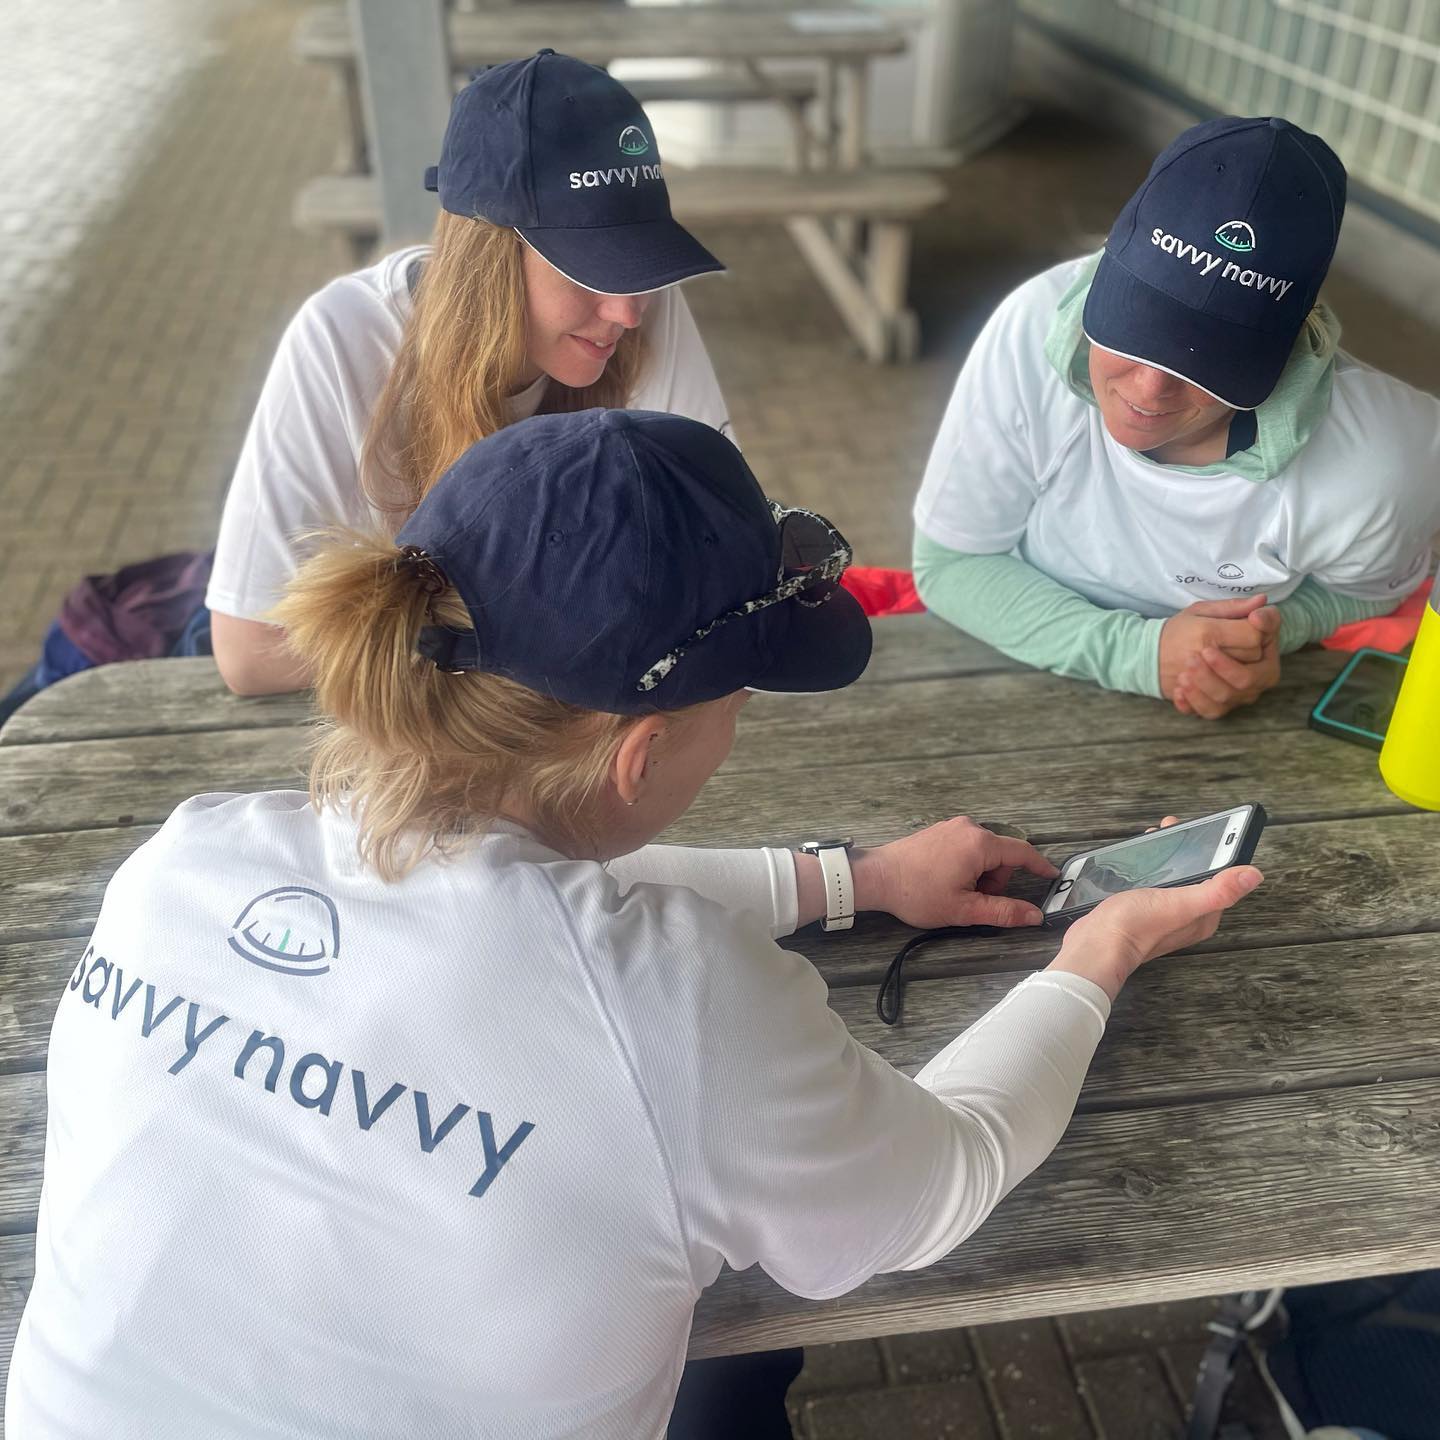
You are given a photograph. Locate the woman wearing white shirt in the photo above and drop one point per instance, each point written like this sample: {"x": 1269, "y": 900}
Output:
{"x": 410, "y": 1108}
{"x": 551, "y": 284}
{"x": 1146, "y": 447}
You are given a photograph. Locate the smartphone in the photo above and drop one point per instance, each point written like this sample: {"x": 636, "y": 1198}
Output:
{"x": 1178, "y": 855}
{"x": 1358, "y": 704}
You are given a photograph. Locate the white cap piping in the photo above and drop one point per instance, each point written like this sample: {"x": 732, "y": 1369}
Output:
{"x": 654, "y": 290}
{"x": 1141, "y": 360}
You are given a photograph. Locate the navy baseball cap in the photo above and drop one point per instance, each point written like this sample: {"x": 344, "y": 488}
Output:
{"x": 1217, "y": 258}
{"x": 562, "y": 152}
{"x": 589, "y": 548}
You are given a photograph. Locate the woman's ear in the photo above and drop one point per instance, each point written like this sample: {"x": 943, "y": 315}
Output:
{"x": 632, "y": 757}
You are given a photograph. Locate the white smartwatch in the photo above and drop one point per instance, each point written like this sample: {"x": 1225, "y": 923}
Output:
{"x": 834, "y": 858}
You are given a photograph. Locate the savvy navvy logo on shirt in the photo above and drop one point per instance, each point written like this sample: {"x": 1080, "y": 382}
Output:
{"x": 290, "y": 929}
{"x": 297, "y": 1076}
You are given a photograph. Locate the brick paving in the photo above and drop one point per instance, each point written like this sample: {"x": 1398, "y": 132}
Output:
{"x": 147, "y": 267}
{"x": 1108, "y": 1375}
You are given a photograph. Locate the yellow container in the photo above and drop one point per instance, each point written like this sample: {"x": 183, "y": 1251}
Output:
{"x": 1410, "y": 761}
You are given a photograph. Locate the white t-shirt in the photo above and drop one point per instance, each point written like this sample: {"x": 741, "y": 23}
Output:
{"x": 1023, "y": 464}
{"x": 299, "y": 468}
{"x": 329, "y": 1157}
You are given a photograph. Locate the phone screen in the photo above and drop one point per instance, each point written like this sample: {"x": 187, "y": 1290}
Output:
{"x": 1159, "y": 858}
{"x": 1365, "y": 698}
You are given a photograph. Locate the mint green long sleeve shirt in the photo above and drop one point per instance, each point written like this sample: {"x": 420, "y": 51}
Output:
{"x": 1023, "y": 613}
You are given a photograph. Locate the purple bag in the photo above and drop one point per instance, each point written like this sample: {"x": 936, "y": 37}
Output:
{"x": 139, "y": 612}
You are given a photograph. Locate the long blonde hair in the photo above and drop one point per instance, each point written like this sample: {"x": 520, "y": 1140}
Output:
{"x": 460, "y": 358}
{"x": 427, "y": 759}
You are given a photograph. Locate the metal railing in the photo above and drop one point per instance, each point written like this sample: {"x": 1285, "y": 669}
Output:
{"x": 1364, "y": 74}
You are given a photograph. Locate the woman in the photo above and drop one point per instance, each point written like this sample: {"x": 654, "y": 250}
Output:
{"x": 550, "y": 285}
{"x": 451, "y": 1119}
{"x": 1157, "y": 471}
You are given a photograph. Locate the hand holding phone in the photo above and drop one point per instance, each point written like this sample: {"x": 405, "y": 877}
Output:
{"x": 1120, "y": 934}
{"x": 1181, "y": 854}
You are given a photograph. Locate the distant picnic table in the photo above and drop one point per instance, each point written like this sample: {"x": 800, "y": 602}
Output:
{"x": 1265, "y": 1110}
{"x": 851, "y": 220}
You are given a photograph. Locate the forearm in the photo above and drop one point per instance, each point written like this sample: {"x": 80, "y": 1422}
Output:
{"x": 1009, "y": 1083}
{"x": 1313, "y": 612}
{"x": 760, "y": 881}
{"x": 782, "y": 887}
{"x": 1030, "y": 617}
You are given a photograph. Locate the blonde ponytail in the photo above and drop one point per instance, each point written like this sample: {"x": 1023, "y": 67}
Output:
{"x": 426, "y": 758}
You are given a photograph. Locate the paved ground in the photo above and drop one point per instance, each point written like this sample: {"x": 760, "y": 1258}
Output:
{"x": 147, "y": 267}
{"x": 1113, "y": 1375}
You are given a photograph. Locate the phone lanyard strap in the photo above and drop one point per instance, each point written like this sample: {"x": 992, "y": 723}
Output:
{"x": 888, "y": 1005}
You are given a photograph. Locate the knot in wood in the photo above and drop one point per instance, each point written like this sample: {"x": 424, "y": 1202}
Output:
{"x": 1135, "y": 1184}
{"x": 1377, "y": 1133}
{"x": 1254, "y": 995}
{"x": 1272, "y": 1038}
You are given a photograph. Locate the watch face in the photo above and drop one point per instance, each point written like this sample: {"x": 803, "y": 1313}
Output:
{"x": 843, "y": 842}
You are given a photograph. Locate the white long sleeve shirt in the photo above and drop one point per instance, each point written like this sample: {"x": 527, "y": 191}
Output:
{"x": 457, "y": 1155}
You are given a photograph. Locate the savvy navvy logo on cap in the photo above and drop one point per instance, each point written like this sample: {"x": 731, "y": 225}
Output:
{"x": 633, "y": 141}
{"x": 1205, "y": 260}
{"x": 1236, "y": 235}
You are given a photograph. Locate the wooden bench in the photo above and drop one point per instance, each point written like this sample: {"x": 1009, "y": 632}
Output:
{"x": 322, "y": 35}
{"x": 869, "y": 290}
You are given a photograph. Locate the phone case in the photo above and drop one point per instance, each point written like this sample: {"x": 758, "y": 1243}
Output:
{"x": 1244, "y": 853}
{"x": 1326, "y": 723}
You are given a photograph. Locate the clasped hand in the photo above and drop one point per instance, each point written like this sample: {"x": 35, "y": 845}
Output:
{"x": 1217, "y": 655}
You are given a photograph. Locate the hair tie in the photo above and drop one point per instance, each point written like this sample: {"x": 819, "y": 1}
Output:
{"x": 426, "y": 573}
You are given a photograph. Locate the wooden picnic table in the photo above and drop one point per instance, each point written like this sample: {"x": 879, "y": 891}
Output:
{"x": 1265, "y": 1110}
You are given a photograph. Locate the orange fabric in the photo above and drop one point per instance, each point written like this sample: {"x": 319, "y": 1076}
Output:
{"x": 881, "y": 591}
{"x": 1391, "y": 632}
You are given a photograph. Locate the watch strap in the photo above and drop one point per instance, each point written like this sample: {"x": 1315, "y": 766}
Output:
{"x": 839, "y": 886}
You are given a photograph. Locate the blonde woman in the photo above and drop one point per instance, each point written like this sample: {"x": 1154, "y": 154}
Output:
{"x": 551, "y": 285}
{"x": 411, "y": 1107}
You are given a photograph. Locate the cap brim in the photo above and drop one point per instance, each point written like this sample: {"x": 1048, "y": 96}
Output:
{"x": 1233, "y": 363}
{"x": 623, "y": 259}
{"x": 826, "y": 647}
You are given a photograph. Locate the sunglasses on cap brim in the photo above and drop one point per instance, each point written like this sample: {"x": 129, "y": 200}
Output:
{"x": 813, "y": 556}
